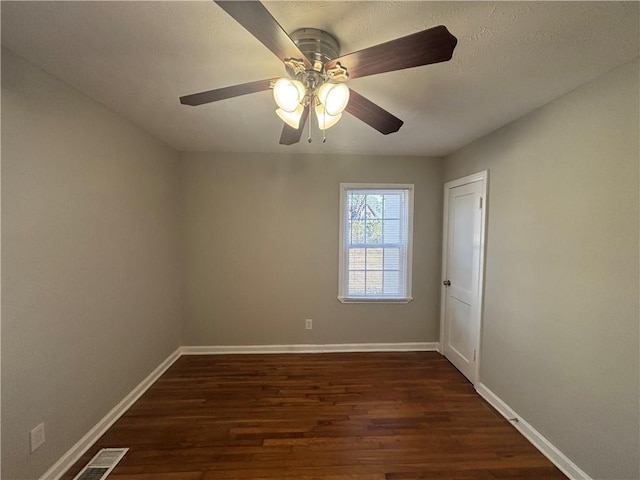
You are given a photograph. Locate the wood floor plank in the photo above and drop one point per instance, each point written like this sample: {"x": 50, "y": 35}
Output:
{"x": 338, "y": 416}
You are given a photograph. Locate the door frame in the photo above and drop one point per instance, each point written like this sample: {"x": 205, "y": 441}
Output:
{"x": 478, "y": 309}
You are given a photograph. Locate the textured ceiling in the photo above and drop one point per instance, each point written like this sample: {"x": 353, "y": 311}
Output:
{"x": 139, "y": 57}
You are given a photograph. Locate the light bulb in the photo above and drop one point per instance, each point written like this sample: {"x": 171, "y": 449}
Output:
{"x": 325, "y": 120}
{"x": 334, "y": 97}
{"x": 291, "y": 118}
{"x": 288, "y": 94}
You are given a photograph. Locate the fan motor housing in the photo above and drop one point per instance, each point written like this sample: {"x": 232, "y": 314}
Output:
{"x": 317, "y": 45}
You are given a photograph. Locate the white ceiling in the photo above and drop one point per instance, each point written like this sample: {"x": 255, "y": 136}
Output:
{"x": 139, "y": 57}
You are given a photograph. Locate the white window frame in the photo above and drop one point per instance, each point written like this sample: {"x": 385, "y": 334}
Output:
{"x": 344, "y": 251}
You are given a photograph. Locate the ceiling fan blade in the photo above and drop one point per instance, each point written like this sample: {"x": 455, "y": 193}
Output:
{"x": 291, "y": 135}
{"x": 257, "y": 20}
{"x": 372, "y": 114}
{"x": 422, "y": 48}
{"x": 226, "y": 92}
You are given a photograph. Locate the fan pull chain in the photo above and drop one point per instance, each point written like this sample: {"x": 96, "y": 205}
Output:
{"x": 324, "y": 132}
{"x": 310, "y": 120}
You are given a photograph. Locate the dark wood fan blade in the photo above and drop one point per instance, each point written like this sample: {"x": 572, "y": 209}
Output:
{"x": 257, "y": 20}
{"x": 429, "y": 46}
{"x": 291, "y": 135}
{"x": 226, "y": 92}
{"x": 372, "y": 114}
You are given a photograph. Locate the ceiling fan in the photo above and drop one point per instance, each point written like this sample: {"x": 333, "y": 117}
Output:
{"x": 317, "y": 73}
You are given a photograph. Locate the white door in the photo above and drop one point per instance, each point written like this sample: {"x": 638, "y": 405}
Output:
{"x": 463, "y": 259}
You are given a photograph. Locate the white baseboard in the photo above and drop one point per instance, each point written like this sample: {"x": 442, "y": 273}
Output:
{"x": 75, "y": 452}
{"x": 558, "y": 458}
{"x": 326, "y": 348}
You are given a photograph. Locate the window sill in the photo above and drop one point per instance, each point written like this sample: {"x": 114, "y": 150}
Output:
{"x": 374, "y": 300}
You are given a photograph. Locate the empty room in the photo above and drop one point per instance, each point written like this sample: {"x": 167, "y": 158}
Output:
{"x": 327, "y": 240}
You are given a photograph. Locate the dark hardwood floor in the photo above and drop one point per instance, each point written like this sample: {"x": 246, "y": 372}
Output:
{"x": 357, "y": 416}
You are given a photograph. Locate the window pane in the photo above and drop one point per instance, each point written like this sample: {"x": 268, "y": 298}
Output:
{"x": 374, "y": 258}
{"x": 392, "y": 231}
{"x": 374, "y": 283}
{"x": 392, "y": 283}
{"x": 392, "y": 205}
{"x": 356, "y": 283}
{"x": 392, "y": 259}
{"x": 374, "y": 231}
{"x": 374, "y": 206}
{"x": 356, "y": 232}
{"x": 356, "y": 259}
{"x": 356, "y": 206}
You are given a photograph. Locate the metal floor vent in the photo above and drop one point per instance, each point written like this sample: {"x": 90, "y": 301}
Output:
{"x": 101, "y": 464}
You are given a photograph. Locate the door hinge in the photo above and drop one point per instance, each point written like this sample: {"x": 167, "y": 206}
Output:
{"x": 474, "y": 354}
{"x": 480, "y": 206}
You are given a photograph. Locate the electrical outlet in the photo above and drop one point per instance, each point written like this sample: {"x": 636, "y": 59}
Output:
{"x": 37, "y": 437}
{"x": 308, "y": 324}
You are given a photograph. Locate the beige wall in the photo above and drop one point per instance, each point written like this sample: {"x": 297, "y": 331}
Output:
{"x": 560, "y": 335}
{"x": 90, "y": 301}
{"x": 260, "y": 250}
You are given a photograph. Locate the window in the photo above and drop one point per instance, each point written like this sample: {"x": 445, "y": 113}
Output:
{"x": 376, "y": 226}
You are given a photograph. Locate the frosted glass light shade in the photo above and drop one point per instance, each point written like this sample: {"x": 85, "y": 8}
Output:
{"x": 334, "y": 97}
{"x": 288, "y": 94}
{"x": 291, "y": 118}
{"x": 325, "y": 120}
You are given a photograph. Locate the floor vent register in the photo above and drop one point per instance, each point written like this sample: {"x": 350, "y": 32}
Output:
{"x": 101, "y": 464}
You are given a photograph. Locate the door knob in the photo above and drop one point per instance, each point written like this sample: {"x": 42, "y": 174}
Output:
{"x": 446, "y": 283}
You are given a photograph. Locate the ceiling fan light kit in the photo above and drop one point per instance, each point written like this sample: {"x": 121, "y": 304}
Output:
{"x": 288, "y": 94}
{"x": 334, "y": 97}
{"x": 317, "y": 74}
{"x": 291, "y": 118}
{"x": 325, "y": 120}
{"x": 329, "y": 100}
